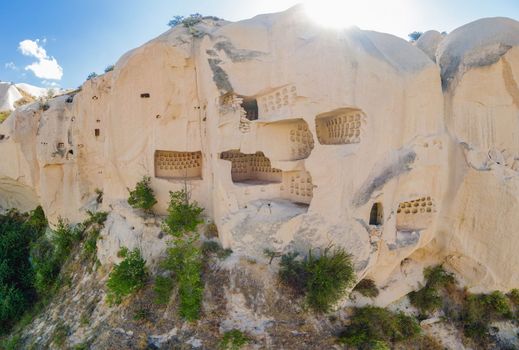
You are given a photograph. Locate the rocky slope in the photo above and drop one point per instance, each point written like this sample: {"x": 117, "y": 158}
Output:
{"x": 292, "y": 137}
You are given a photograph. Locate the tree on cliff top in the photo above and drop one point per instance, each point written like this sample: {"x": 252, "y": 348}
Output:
{"x": 414, "y": 35}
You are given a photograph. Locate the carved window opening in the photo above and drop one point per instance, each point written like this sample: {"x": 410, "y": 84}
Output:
{"x": 97, "y": 132}
{"x": 250, "y": 105}
{"x": 145, "y": 95}
{"x": 251, "y": 168}
{"x": 376, "y": 215}
{"x": 61, "y": 145}
{"x": 178, "y": 165}
{"x": 340, "y": 127}
{"x": 2, "y": 137}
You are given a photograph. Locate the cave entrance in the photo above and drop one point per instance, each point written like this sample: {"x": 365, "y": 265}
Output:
{"x": 250, "y": 105}
{"x": 376, "y": 215}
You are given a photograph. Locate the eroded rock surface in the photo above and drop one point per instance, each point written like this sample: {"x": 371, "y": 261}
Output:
{"x": 291, "y": 137}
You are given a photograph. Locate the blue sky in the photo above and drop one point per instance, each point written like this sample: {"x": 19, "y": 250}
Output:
{"x": 82, "y": 36}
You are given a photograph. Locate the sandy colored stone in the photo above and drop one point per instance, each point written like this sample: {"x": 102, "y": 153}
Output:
{"x": 346, "y": 119}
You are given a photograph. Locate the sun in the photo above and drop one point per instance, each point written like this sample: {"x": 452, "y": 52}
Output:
{"x": 367, "y": 14}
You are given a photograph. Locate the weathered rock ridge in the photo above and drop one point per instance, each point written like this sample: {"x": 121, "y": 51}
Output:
{"x": 292, "y": 136}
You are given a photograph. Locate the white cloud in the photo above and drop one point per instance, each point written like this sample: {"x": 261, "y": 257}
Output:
{"x": 46, "y": 67}
{"x": 10, "y": 65}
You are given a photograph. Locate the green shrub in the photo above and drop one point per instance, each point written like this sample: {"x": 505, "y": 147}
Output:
{"x": 233, "y": 340}
{"x": 437, "y": 277}
{"x": 90, "y": 246}
{"x": 162, "y": 288}
{"x": 127, "y": 277}
{"x": 46, "y": 266}
{"x": 91, "y": 76}
{"x": 97, "y": 218}
{"x": 64, "y": 238}
{"x": 367, "y": 288}
{"x": 376, "y": 328}
{"x": 17, "y": 276}
{"x": 109, "y": 68}
{"x": 214, "y": 248}
{"x": 142, "y": 196}
{"x": 184, "y": 256}
{"x": 11, "y": 343}
{"x": 323, "y": 279}
{"x": 185, "y": 260}
{"x": 293, "y": 273}
{"x": 183, "y": 215}
{"x": 428, "y": 299}
{"x": 60, "y": 334}
{"x": 479, "y": 310}
{"x": 514, "y": 297}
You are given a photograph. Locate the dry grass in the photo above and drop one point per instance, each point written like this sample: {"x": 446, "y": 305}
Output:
{"x": 4, "y": 115}
{"x": 26, "y": 98}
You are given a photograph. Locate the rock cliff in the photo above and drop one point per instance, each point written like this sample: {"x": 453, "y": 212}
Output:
{"x": 292, "y": 136}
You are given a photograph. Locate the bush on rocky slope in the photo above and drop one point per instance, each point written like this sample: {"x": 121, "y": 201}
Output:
{"x": 17, "y": 277}
{"x": 322, "y": 279}
{"x": 376, "y": 328}
{"x": 127, "y": 277}
{"x": 142, "y": 197}
{"x": 367, "y": 288}
{"x": 184, "y": 256}
{"x": 428, "y": 298}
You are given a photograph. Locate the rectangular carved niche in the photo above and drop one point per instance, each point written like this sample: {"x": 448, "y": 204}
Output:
{"x": 297, "y": 186}
{"x": 251, "y": 168}
{"x": 416, "y": 214}
{"x": 287, "y": 139}
{"x": 178, "y": 165}
{"x": 339, "y": 127}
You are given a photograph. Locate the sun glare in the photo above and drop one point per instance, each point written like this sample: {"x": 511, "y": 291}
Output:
{"x": 367, "y": 14}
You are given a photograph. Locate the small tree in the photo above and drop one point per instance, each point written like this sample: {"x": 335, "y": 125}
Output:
{"x": 189, "y": 21}
{"x": 91, "y": 76}
{"x": 184, "y": 255}
{"x": 414, "y": 35}
{"x": 142, "y": 196}
{"x": 175, "y": 21}
{"x": 109, "y": 68}
{"x": 127, "y": 277}
{"x": 183, "y": 216}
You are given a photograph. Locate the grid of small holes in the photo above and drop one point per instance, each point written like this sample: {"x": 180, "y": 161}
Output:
{"x": 301, "y": 185}
{"x": 421, "y": 205}
{"x": 178, "y": 160}
{"x": 341, "y": 129}
{"x": 245, "y": 163}
{"x": 302, "y": 141}
{"x": 278, "y": 99}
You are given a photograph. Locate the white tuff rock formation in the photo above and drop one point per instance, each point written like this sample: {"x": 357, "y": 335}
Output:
{"x": 292, "y": 136}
